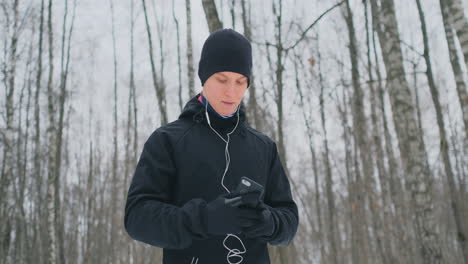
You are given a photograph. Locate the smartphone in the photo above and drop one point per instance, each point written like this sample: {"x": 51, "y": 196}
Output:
{"x": 246, "y": 185}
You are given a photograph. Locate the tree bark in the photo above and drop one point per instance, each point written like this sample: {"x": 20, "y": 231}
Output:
{"x": 26, "y": 244}
{"x": 65, "y": 62}
{"x": 179, "y": 64}
{"x": 278, "y": 14}
{"x": 88, "y": 209}
{"x": 379, "y": 152}
{"x": 190, "y": 70}
{"x": 160, "y": 92}
{"x": 444, "y": 144}
{"x": 353, "y": 210}
{"x": 8, "y": 135}
{"x": 113, "y": 238}
{"x": 457, "y": 70}
{"x": 211, "y": 14}
{"x": 252, "y": 109}
{"x": 460, "y": 23}
{"x": 232, "y": 10}
{"x": 18, "y": 254}
{"x": 52, "y": 191}
{"x": 310, "y": 136}
{"x": 286, "y": 254}
{"x": 398, "y": 191}
{"x": 360, "y": 135}
{"x": 38, "y": 233}
{"x": 410, "y": 145}
{"x": 331, "y": 212}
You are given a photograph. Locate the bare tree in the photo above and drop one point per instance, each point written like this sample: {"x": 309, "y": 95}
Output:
{"x": 411, "y": 147}
{"x": 379, "y": 152}
{"x": 52, "y": 187}
{"x": 354, "y": 208}
{"x": 252, "y": 109}
{"x": 404, "y": 229}
{"x": 38, "y": 233}
{"x": 179, "y": 65}
{"x": 7, "y": 171}
{"x": 333, "y": 235}
{"x": 444, "y": 144}
{"x": 160, "y": 91}
{"x": 360, "y": 134}
{"x": 115, "y": 157}
{"x": 232, "y": 10}
{"x": 309, "y": 129}
{"x": 190, "y": 70}
{"x": 459, "y": 22}
{"x": 19, "y": 182}
{"x": 279, "y": 69}
{"x": 65, "y": 63}
{"x": 214, "y": 23}
{"x": 456, "y": 67}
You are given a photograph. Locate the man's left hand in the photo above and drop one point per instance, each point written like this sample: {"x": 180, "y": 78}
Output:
{"x": 265, "y": 227}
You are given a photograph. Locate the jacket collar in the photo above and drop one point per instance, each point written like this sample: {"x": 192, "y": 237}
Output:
{"x": 195, "y": 110}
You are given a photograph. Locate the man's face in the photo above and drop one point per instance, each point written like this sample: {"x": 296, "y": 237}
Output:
{"x": 224, "y": 91}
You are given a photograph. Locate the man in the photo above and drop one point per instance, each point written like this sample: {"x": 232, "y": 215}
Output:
{"x": 189, "y": 167}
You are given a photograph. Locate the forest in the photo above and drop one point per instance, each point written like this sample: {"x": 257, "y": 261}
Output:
{"x": 367, "y": 101}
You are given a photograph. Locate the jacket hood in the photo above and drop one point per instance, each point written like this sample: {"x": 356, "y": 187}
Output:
{"x": 195, "y": 110}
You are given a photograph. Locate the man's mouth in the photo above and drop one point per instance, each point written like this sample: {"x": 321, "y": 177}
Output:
{"x": 228, "y": 103}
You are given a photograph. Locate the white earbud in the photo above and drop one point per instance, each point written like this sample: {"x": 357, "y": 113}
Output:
{"x": 207, "y": 117}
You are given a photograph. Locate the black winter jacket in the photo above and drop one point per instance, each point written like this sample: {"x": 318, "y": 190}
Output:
{"x": 179, "y": 171}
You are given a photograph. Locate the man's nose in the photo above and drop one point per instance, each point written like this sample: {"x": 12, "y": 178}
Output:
{"x": 230, "y": 89}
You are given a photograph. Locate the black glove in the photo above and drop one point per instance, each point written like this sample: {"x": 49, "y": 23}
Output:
{"x": 222, "y": 218}
{"x": 264, "y": 228}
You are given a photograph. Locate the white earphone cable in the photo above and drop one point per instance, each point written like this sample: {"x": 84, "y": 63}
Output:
{"x": 232, "y": 252}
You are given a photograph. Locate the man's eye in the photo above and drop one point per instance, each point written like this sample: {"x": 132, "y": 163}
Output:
{"x": 222, "y": 80}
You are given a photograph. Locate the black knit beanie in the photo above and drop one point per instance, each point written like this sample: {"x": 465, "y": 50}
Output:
{"x": 225, "y": 50}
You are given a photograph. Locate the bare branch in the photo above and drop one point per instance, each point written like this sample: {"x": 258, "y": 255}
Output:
{"x": 312, "y": 25}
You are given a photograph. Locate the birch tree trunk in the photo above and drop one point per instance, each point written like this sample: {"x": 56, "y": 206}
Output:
{"x": 52, "y": 191}
{"x": 65, "y": 62}
{"x": 7, "y": 172}
{"x": 309, "y": 129}
{"x": 26, "y": 212}
{"x": 162, "y": 58}
{"x": 380, "y": 157}
{"x": 333, "y": 236}
{"x": 89, "y": 194}
{"x": 214, "y": 23}
{"x": 286, "y": 253}
{"x": 460, "y": 24}
{"x": 360, "y": 134}
{"x": 232, "y": 10}
{"x": 352, "y": 212}
{"x": 38, "y": 232}
{"x": 160, "y": 91}
{"x": 132, "y": 107}
{"x": 410, "y": 144}
{"x": 444, "y": 144}
{"x": 457, "y": 70}
{"x": 190, "y": 70}
{"x": 252, "y": 109}
{"x": 179, "y": 64}
{"x": 17, "y": 254}
{"x": 278, "y": 14}
{"x": 398, "y": 192}
{"x": 115, "y": 157}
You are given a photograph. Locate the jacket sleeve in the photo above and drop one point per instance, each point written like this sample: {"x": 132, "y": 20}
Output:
{"x": 149, "y": 215}
{"x": 278, "y": 197}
